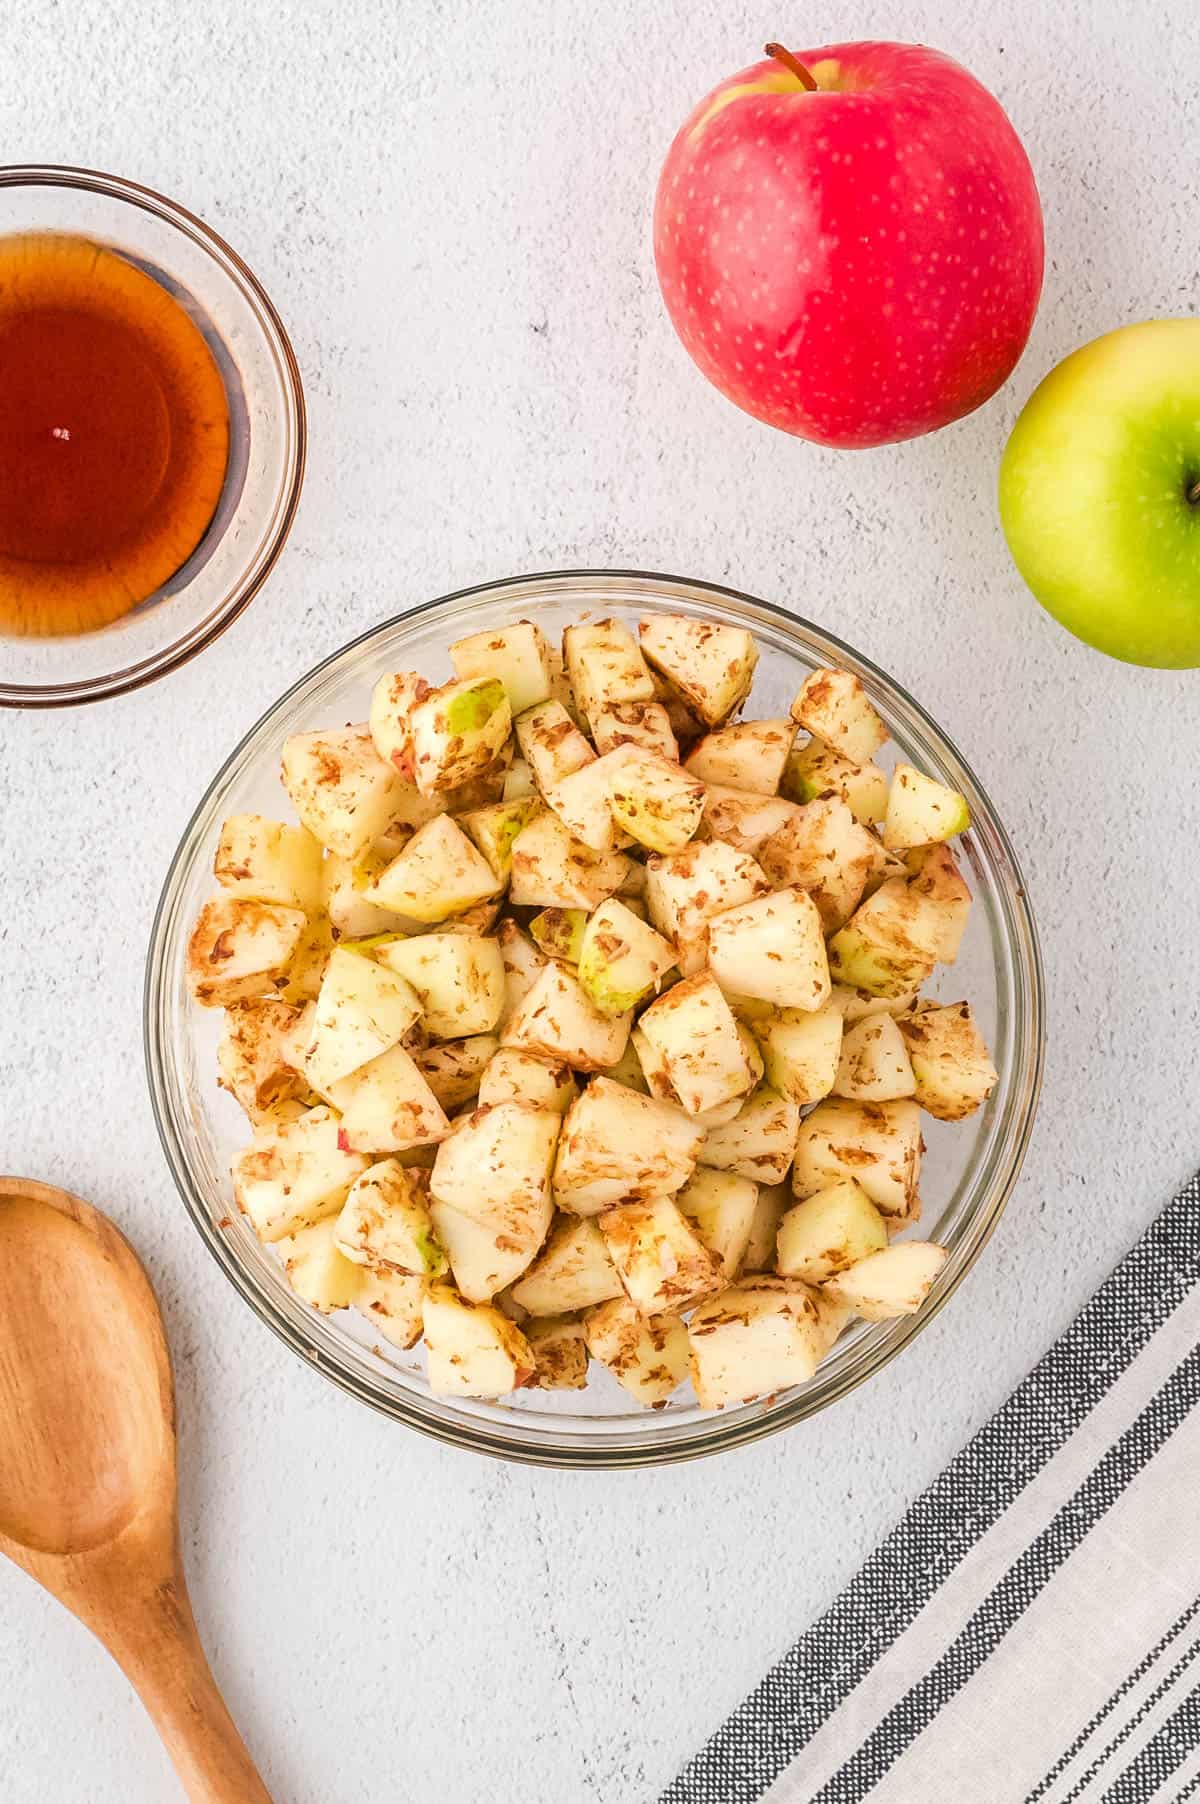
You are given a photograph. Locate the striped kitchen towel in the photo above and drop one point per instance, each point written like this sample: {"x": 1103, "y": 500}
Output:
{"x": 1030, "y": 1632}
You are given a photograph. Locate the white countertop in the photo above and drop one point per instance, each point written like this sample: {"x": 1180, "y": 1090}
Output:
{"x": 450, "y": 205}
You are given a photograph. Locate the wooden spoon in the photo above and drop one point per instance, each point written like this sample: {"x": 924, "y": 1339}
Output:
{"x": 87, "y": 1468}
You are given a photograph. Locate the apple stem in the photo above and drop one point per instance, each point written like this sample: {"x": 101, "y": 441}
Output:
{"x": 793, "y": 63}
{"x": 1193, "y": 494}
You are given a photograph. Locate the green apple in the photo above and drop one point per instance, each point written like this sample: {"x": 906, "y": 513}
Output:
{"x": 1100, "y": 493}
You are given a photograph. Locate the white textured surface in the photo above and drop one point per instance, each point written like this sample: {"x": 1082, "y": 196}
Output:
{"x": 451, "y": 208}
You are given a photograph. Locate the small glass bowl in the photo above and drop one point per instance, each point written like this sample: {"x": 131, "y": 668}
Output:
{"x": 266, "y": 437}
{"x": 970, "y": 1166}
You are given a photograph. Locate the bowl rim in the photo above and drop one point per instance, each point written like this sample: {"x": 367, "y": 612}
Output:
{"x": 718, "y": 1434}
{"x": 181, "y": 651}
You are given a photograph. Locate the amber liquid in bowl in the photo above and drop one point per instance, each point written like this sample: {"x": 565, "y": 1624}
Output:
{"x": 114, "y": 435}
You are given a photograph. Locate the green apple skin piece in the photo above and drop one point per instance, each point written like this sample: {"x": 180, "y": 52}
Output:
{"x": 921, "y": 812}
{"x": 621, "y": 958}
{"x": 494, "y": 828}
{"x": 1100, "y": 493}
{"x": 559, "y": 932}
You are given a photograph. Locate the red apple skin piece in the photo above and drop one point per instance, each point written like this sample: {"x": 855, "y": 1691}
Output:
{"x": 856, "y": 265}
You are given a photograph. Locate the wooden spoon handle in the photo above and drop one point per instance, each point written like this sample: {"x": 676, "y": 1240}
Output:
{"x": 163, "y": 1658}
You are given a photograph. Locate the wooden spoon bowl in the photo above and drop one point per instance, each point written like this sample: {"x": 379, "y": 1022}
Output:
{"x": 88, "y": 1502}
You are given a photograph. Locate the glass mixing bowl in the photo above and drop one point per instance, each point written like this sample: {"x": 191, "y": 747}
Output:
{"x": 970, "y": 1167}
{"x": 267, "y": 436}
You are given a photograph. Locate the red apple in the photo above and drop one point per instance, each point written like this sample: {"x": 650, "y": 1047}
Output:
{"x": 849, "y": 241}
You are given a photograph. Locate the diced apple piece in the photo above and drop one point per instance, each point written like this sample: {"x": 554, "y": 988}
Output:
{"x": 392, "y": 702}
{"x": 877, "y": 1144}
{"x": 628, "y": 1071}
{"x": 772, "y": 1204}
{"x": 890, "y": 1283}
{"x": 874, "y": 1065}
{"x": 572, "y": 1271}
{"x": 753, "y": 1339}
{"x": 516, "y": 1076}
{"x": 618, "y": 1146}
{"x": 239, "y": 949}
{"x": 647, "y": 1355}
{"x": 856, "y": 1005}
{"x": 937, "y": 877}
{"x": 583, "y": 805}
{"x": 721, "y": 1207}
{"x": 772, "y": 948}
{"x": 654, "y": 801}
{"x": 387, "y": 1106}
{"x": 269, "y": 861}
{"x": 663, "y": 1264}
{"x": 744, "y": 821}
{"x": 749, "y": 756}
{"x": 686, "y": 725}
{"x": 604, "y": 666}
{"x": 801, "y": 1051}
{"x": 473, "y": 1350}
{"x": 484, "y": 1258}
{"x": 685, "y": 889}
{"x": 760, "y": 1140}
{"x": 458, "y": 977}
{"x": 551, "y": 744}
{"x": 552, "y": 870}
{"x": 523, "y": 964}
{"x": 392, "y": 1302}
{"x": 495, "y": 1167}
{"x": 557, "y": 1020}
{"x": 695, "y": 1033}
{"x": 361, "y": 1011}
{"x": 518, "y": 782}
{"x": 832, "y": 1317}
{"x": 293, "y": 1173}
{"x": 351, "y": 915}
{"x": 385, "y": 1222}
{"x": 921, "y": 812}
{"x": 889, "y": 945}
{"x": 711, "y": 666}
{"x": 316, "y": 1268}
{"x": 518, "y": 655}
{"x": 833, "y": 706}
{"x": 495, "y": 828}
{"x": 952, "y": 1068}
{"x": 621, "y": 959}
{"x": 301, "y": 982}
{"x": 644, "y": 724}
{"x": 559, "y": 1345}
{"x": 824, "y": 850}
{"x": 559, "y": 932}
{"x": 814, "y": 769}
{"x": 343, "y": 791}
{"x": 257, "y": 1057}
{"x": 829, "y": 1231}
{"x": 439, "y": 873}
{"x": 458, "y": 732}
{"x": 454, "y": 1069}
